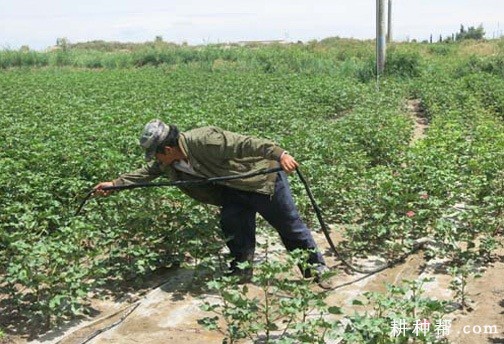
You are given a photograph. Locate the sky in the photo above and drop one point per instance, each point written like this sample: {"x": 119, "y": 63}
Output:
{"x": 38, "y": 23}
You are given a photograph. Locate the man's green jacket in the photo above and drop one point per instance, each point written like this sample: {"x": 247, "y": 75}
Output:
{"x": 213, "y": 152}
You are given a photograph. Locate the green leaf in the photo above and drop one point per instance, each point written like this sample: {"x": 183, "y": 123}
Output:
{"x": 335, "y": 310}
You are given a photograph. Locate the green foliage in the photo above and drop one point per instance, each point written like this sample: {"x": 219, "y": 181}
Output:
{"x": 366, "y": 71}
{"x": 478, "y": 64}
{"x": 295, "y": 58}
{"x": 441, "y": 49}
{"x": 402, "y": 303}
{"x": 471, "y": 33}
{"x": 403, "y": 64}
{"x": 399, "y": 64}
{"x": 288, "y": 311}
{"x": 489, "y": 89}
{"x": 12, "y": 58}
{"x": 460, "y": 279}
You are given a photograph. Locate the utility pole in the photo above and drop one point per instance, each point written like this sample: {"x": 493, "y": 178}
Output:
{"x": 389, "y": 26}
{"x": 380, "y": 37}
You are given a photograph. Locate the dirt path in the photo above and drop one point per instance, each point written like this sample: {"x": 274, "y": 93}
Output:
{"x": 485, "y": 323}
{"x": 415, "y": 111}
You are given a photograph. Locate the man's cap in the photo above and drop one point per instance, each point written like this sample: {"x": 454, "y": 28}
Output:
{"x": 153, "y": 134}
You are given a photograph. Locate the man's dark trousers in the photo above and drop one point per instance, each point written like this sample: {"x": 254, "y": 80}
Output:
{"x": 238, "y": 220}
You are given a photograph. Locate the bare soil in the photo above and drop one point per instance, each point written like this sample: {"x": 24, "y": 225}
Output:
{"x": 415, "y": 111}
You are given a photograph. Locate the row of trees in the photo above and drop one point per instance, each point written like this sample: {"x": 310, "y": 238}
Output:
{"x": 476, "y": 33}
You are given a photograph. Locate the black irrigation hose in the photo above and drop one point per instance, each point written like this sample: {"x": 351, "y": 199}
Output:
{"x": 325, "y": 229}
{"x": 193, "y": 182}
{"x": 418, "y": 244}
{"x": 197, "y": 182}
{"x": 105, "y": 329}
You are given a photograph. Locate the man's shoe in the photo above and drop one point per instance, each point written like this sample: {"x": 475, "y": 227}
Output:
{"x": 322, "y": 277}
{"x": 244, "y": 274}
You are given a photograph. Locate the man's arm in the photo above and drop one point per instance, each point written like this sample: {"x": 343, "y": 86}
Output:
{"x": 143, "y": 175}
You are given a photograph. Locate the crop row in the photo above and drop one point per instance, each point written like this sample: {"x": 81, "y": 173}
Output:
{"x": 448, "y": 186}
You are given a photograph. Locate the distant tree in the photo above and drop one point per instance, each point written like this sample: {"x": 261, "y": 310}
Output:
{"x": 471, "y": 33}
{"x": 159, "y": 39}
{"x": 62, "y": 43}
{"x": 24, "y": 48}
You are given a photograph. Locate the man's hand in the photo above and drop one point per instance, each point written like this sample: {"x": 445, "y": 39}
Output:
{"x": 98, "y": 189}
{"x": 288, "y": 163}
